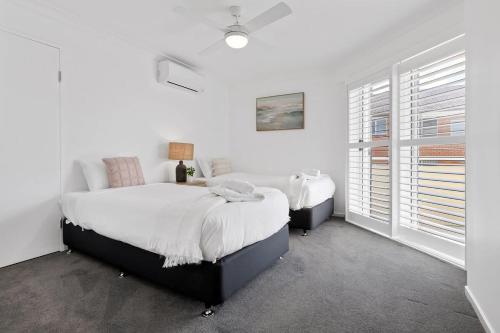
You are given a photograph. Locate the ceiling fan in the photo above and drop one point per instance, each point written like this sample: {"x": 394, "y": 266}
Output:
{"x": 236, "y": 35}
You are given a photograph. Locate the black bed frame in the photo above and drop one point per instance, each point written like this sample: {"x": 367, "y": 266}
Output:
{"x": 211, "y": 283}
{"x": 310, "y": 218}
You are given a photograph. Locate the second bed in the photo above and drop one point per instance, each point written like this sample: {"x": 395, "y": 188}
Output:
{"x": 311, "y": 202}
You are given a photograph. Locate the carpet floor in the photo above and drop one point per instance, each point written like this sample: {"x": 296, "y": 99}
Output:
{"x": 339, "y": 279}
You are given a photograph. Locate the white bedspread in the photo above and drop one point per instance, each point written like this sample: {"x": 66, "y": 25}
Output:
{"x": 182, "y": 223}
{"x": 312, "y": 193}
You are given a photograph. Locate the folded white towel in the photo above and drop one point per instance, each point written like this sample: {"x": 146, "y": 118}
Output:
{"x": 239, "y": 186}
{"x": 234, "y": 196}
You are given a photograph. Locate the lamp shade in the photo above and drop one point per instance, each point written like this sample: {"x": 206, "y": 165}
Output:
{"x": 180, "y": 151}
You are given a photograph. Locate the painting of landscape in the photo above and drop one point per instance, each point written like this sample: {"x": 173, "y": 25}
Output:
{"x": 281, "y": 112}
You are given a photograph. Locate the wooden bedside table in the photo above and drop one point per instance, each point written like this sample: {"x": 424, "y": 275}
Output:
{"x": 196, "y": 182}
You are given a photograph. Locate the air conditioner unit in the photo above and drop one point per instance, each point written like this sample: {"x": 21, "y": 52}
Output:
{"x": 175, "y": 75}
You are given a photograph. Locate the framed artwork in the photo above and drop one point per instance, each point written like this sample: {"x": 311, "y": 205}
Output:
{"x": 282, "y": 112}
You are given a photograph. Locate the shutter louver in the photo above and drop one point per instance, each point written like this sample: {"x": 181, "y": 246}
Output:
{"x": 432, "y": 148}
{"x": 369, "y": 154}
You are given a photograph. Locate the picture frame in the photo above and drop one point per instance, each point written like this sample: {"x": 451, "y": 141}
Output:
{"x": 280, "y": 112}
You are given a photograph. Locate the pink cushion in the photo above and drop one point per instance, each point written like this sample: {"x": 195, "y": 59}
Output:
{"x": 124, "y": 171}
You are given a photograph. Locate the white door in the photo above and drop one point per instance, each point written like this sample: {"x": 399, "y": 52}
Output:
{"x": 29, "y": 149}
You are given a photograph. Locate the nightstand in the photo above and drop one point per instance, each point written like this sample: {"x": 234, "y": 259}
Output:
{"x": 196, "y": 182}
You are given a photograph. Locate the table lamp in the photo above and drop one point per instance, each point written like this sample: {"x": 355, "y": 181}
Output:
{"x": 181, "y": 152}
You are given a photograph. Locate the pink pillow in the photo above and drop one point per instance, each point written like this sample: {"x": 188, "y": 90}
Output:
{"x": 123, "y": 171}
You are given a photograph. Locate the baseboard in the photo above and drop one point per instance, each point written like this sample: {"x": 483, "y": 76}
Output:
{"x": 338, "y": 214}
{"x": 479, "y": 312}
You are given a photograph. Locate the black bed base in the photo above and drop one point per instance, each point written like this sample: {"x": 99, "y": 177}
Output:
{"x": 211, "y": 283}
{"x": 310, "y": 218}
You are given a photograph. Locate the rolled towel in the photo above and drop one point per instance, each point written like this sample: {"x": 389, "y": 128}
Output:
{"x": 233, "y": 196}
{"x": 239, "y": 186}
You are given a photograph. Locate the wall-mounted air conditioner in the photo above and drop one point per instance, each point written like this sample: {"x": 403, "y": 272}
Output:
{"x": 178, "y": 76}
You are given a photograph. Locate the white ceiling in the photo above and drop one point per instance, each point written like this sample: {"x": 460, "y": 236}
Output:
{"x": 318, "y": 33}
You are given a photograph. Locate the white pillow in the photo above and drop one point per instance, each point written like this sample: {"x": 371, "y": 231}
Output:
{"x": 205, "y": 166}
{"x": 94, "y": 171}
{"x": 221, "y": 166}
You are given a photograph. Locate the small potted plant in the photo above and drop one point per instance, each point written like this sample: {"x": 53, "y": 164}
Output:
{"x": 190, "y": 174}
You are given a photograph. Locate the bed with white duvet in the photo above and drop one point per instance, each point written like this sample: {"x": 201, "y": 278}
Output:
{"x": 185, "y": 224}
{"x": 310, "y": 195}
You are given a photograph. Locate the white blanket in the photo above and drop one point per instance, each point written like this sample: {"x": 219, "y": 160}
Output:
{"x": 179, "y": 240}
{"x": 182, "y": 223}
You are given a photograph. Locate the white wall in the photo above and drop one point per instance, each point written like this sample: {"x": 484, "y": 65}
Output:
{"x": 111, "y": 102}
{"x": 320, "y": 145}
{"x": 483, "y": 158}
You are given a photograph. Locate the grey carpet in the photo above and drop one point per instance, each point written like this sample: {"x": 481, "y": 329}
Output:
{"x": 339, "y": 279}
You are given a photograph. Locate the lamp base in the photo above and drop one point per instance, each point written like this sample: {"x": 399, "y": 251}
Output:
{"x": 180, "y": 173}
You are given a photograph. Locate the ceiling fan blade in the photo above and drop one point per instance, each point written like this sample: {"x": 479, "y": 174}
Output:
{"x": 198, "y": 18}
{"x": 213, "y": 48}
{"x": 269, "y": 16}
{"x": 259, "y": 42}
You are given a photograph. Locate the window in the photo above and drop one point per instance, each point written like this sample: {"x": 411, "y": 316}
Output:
{"x": 432, "y": 97}
{"x": 457, "y": 127}
{"x": 379, "y": 126}
{"x": 428, "y": 127}
{"x": 408, "y": 182}
{"x": 369, "y": 155}
{"x": 432, "y": 165}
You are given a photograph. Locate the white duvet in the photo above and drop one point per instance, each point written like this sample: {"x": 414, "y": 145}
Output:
{"x": 186, "y": 224}
{"x": 305, "y": 194}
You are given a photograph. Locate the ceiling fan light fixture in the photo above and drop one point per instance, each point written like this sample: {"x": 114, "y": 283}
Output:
{"x": 236, "y": 39}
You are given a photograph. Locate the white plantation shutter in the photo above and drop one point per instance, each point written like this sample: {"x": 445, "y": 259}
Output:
{"x": 432, "y": 98}
{"x": 406, "y": 149}
{"x": 369, "y": 185}
{"x": 432, "y": 143}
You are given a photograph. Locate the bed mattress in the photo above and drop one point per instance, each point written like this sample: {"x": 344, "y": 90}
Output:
{"x": 132, "y": 215}
{"x": 315, "y": 191}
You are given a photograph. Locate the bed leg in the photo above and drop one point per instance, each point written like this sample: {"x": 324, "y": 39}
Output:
{"x": 122, "y": 275}
{"x": 305, "y": 233}
{"x": 208, "y": 311}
